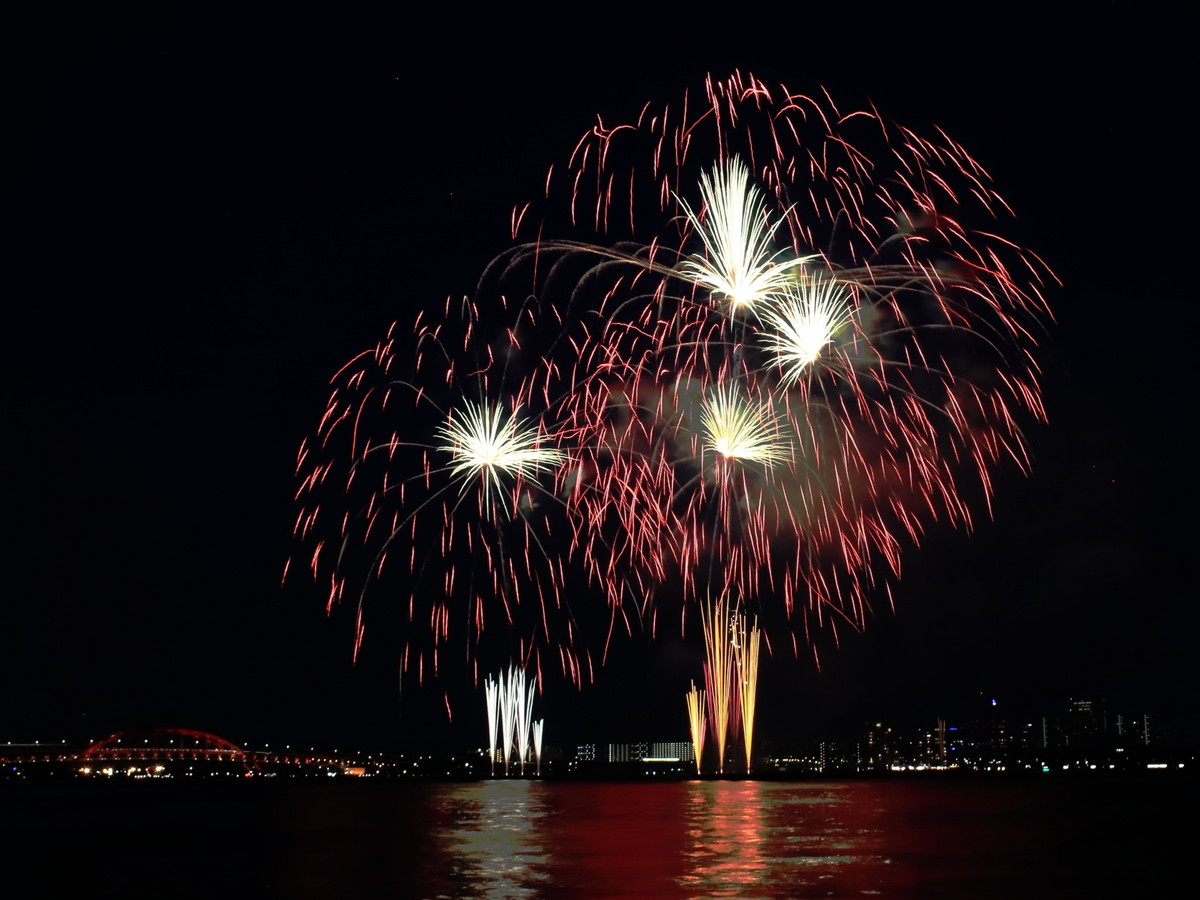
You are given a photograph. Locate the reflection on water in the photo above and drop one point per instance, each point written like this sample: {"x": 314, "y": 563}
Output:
{"x": 744, "y": 839}
{"x": 748, "y": 835}
{"x": 696, "y": 839}
{"x": 495, "y": 842}
{"x": 724, "y": 827}
{"x": 939, "y": 838}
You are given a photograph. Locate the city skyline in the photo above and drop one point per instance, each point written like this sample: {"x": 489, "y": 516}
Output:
{"x": 1077, "y": 736}
{"x": 241, "y": 234}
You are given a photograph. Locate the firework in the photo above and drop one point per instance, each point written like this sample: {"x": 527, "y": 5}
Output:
{"x": 741, "y": 263}
{"x": 538, "y": 730}
{"x": 746, "y": 660}
{"x": 767, "y": 343}
{"x": 805, "y": 343}
{"x": 739, "y": 429}
{"x": 509, "y": 700}
{"x": 800, "y": 323}
{"x": 492, "y": 699}
{"x": 731, "y": 676}
{"x": 523, "y": 700}
{"x": 697, "y": 723}
{"x": 435, "y": 457}
{"x": 497, "y": 447}
{"x": 720, "y": 673}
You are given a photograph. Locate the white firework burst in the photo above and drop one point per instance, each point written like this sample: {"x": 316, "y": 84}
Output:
{"x": 802, "y": 322}
{"x": 740, "y": 261}
{"x": 486, "y": 441}
{"x": 737, "y": 427}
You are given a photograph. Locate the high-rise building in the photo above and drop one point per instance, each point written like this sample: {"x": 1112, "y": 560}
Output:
{"x": 1084, "y": 724}
{"x": 672, "y": 751}
{"x": 635, "y": 752}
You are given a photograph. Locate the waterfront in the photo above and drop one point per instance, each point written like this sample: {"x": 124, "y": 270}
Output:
{"x": 927, "y": 837}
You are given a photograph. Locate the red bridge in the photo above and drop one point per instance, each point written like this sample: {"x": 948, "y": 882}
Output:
{"x": 154, "y": 751}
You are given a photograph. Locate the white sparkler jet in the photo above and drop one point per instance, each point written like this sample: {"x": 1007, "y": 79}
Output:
{"x": 492, "y": 697}
{"x": 538, "y": 731}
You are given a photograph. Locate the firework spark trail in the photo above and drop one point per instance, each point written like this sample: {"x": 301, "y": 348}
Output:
{"x": 746, "y": 659}
{"x": 697, "y": 722}
{"x": 508, "y": 712}
{"x": 800, "y": 322}
{"x": 741, "y": 262}
{"x": 524, "y": 703}
{"x": 719, "y": 673}
{"x": 738, "y": 428}
{"x": 731, "y": 675}
{"x": 491, "y": 690}
{"x": 496, "y": 447}
{"x": 443, "y": 458}
{"x": 774, "y": 357}
{"x": 509, "y": 697}
{"x": 538, "y": 731}
{"x": 887, "y": 331}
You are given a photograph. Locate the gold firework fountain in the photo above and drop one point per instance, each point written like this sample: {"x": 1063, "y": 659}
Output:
{"x": 746, "y": 655}
{"x": 695, "y": 705}
{"x": 718, "y": 674}
{"x": 731, "y": 679}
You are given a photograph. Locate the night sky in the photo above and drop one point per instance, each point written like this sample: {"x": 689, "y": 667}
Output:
{"x": 203, "y": 231}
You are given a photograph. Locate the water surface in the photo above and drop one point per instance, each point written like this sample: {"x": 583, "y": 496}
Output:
{"x": 899, "y": 838}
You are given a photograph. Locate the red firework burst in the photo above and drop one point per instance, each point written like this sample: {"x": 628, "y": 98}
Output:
{"x": 769, "y": 343}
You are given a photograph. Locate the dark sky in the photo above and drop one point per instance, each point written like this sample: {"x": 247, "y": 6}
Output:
{"x": 205, "y": 230}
